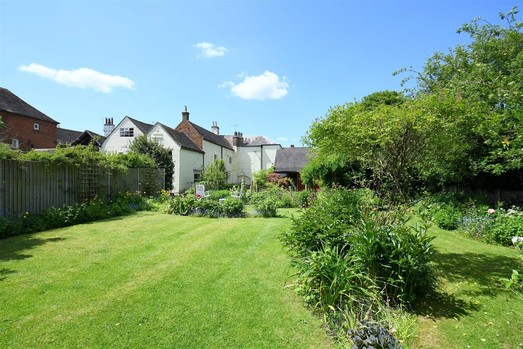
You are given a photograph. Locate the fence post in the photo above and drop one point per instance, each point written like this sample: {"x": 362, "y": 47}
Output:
{"x": 109, "y": 192}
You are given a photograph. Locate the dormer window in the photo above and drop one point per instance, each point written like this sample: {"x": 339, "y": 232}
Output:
{"x": 127, "y": 132}
{"x": 36, "y": 126}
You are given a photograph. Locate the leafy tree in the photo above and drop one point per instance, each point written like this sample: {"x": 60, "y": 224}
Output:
{"x": 215, "y": 175}
{"x": 487, "y": 76}
{"x": 380, "y": 98}
{"x": 464, "y": 121}
{"x": 382, "y": 146}
{"x": 261, "y": 178}
{"x": 328, "y": 170}
{"x": 161, "y": 155}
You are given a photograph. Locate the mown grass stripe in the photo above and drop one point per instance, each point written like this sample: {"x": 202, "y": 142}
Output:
{"x": 153, "y": 280}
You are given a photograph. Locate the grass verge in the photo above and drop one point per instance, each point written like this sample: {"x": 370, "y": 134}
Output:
{"x": 473, "y": 309}
{"x": 153, "y": 281}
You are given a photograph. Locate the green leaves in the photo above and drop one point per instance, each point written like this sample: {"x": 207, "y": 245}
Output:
{"x": 161, "y": 156}
{"x": 464, "y": 121}
{"x": 215, "y": 176}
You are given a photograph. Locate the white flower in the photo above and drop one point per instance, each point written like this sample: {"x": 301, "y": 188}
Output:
{"x": 491, "y": 211}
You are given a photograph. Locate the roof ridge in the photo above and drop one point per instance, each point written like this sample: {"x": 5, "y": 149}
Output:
{"x": 181, "y": 137}
{"x": 211, "y": 136}
{"x": 11, "y": 103}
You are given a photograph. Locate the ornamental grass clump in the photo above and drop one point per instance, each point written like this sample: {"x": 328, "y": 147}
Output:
{"x": 351, "y": 252}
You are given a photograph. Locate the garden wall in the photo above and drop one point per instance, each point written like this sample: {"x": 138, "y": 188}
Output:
{"x": 30, "y": 186}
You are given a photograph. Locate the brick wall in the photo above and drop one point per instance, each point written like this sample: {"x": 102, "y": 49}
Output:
{"x": 186, "y": 127}
{"x": 22, "y": 128}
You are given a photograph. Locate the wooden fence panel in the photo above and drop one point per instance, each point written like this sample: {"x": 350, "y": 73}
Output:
{"x": 30, "y": 186}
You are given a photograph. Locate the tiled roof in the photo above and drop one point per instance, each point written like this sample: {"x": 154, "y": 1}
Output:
{"x": 144, "y": 127}
{"x": 291, "y": 159}
{"x": 87, "y": 136}
{"x": 182, "y": 139}
{"x": 212, "y": 137}
{"x": 65, "y": 136}
{"x": 13, "y": 104}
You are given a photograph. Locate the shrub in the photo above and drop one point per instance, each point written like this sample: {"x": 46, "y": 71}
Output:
{"x": 476, "y": 224}
{"x": 304, "y": 198}
{"x": 208, "y": 207}
{"x": 329, "y": 221}
{"x": 448, "y": 217}
{"x": 265, "y": 203}
{"x": 181, "y": 205}
{"x": 505, "y": 227}
{"x": 395, "y": 256}
{"x": 219, "y": 194}
{"x": 57, "y": 217}
{"x": 232, "y": 207}
{"x": 430, "y": 204}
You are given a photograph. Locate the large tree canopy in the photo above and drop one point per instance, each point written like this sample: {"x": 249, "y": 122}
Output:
{"x": 464, "y": 120}
{"x": 488, "y": 75}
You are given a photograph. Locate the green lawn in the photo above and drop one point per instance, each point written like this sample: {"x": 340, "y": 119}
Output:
{"x": 473, "y": 310}
{"x": 153, "y": 281}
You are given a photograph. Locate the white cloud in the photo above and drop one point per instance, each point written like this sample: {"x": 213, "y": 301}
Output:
{"x": 83, "y": 77}
{"x": 265, "y": 86}
{"x": 209, "y": 50}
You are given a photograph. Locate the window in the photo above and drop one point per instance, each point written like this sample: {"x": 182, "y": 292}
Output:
{"x": 127, "y": 132}
{"x": 158, "y": 138}
{"x": 197, "y": 177}
{"x": 230, "y": 159}
{"x": 15, "y": 143}
{"x": 36, "y": 126}
{"x": 215, "y": 157}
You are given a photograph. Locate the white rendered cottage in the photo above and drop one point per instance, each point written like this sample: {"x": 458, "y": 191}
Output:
{"x": 194, "y": 148}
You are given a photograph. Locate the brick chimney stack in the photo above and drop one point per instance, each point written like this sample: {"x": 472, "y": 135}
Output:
{"x": 237, "y": 139}
{"x": 185, "y": 115}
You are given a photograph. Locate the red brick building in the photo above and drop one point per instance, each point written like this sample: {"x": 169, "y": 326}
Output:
{"x": 25, "y": 127}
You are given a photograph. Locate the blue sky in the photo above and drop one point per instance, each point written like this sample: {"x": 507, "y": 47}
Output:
{"x": 260, "y": 67}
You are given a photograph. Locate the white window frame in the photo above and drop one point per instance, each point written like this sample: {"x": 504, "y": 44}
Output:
{"x": 15, "y": 143}
{"x": 127, "y": 132}
{"x": 36, "y": 126}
